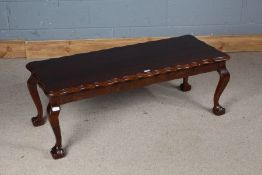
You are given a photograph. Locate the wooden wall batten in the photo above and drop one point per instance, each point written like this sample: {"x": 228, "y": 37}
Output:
{"x": 12, "y": 49}
{"x": 58, "y": 48}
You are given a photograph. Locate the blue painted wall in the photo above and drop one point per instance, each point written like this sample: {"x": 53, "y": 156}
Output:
{"x": 78, "y": 19}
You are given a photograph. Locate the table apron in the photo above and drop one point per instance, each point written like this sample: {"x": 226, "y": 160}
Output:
{"x": 133, "y": 84}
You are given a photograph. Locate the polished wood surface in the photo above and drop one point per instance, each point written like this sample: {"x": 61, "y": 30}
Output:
{"x": 120, "y": 69}
{"x": 53, "y": 112}
{"x": 98, "y": 68}
{"x": 223, "y": 80}
{"x": 32, "y": 86}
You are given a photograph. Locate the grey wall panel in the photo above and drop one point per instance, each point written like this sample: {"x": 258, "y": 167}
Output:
{"x": 48, "y": 15}
{"x": 3, "y": 16}
{"x": 128, "y": 13}
{"x": 77, "y": 19}
{"x": 27, "y": 0}
{"x": 183, "y": 30}
{"x": 60, "y": 34}
{"x": 204, "y": 12}
{"x": 254, "y": 11}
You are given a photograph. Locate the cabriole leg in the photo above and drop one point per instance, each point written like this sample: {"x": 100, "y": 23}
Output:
{"x": 32, "y": 87}
{"x": 185, "y": 86}
{"x": 223, "y": 81}
{"x": 57, "y": 151}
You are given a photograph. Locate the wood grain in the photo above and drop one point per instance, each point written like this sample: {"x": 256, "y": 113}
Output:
{"x": 59, "y": 48}
{"x": 252, "y": 43}
{"x": 54, "y": 49}
{"x": 46, "y": 49}
{"x": 12, "y": 49}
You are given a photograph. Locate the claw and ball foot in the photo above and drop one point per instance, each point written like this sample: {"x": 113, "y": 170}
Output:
{"x": 223, "y": 81}
{"x": 219, "y": 110}
{"x": 185, "y": 86}
{"x": 57, "y": 152}
{"x": 38, "y": 121}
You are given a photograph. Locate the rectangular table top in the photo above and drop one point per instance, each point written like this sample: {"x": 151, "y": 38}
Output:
{"x": 112, "y": 65}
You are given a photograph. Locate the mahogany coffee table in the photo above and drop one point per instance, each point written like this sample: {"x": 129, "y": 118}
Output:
{"x": 81, "y": 76}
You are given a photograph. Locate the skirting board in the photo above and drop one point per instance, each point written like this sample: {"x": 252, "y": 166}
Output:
{"x": 58, "y": 48}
